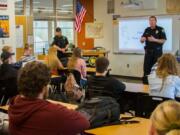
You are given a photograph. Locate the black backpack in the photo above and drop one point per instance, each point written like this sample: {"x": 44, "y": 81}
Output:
{"x": 100, "y": 111}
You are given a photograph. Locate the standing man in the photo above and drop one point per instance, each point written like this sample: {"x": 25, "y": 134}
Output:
{"x": 154, "y": 38}
{"x": 61, "y": 44}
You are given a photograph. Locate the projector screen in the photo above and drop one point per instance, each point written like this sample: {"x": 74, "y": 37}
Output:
{"x": 129, "y": 31}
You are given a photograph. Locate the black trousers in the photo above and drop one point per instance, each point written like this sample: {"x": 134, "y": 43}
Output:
{"x": 150, "y": 58}
{"x": 63, "y": 58}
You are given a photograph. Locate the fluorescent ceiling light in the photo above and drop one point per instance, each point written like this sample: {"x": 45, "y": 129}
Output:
{"x": 18, "y": 0}
{"x": 67, "y": 5}
{"x": 36, "y": 2}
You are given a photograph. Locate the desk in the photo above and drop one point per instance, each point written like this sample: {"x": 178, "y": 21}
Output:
{"x": 141, "y": 128}
{"x": 91, "y": 70}
{"x": 87, "y": 54}
{"x": 69, "y": 106}
{"x": 136, "y": 87}
{"x": 5, "y": 108}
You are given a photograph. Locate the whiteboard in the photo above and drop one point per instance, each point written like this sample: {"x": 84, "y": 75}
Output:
{"x": 128, "y": 31}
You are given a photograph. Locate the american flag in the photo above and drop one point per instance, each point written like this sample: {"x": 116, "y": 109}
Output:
{"x": 80, "y": 13}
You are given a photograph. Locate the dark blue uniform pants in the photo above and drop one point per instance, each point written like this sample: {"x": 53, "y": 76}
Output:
{"x": 150, "y": 58}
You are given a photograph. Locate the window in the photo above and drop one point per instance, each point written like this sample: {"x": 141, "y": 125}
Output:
{"x": 64, "y": 8}
{"x": 67, "y": 29}
{"x": 40, "y": 36}
{"x": 47, "y": 15}
{"x": 19, "y": 10}
{"x": 43, "y": 9}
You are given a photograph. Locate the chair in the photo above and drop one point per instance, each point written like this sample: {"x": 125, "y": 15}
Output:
{"x": 77, "y": 75}
{"x": 146, "y": 104}
{"x": 128, "y": 101}
{"x": 177, "y": 99}
{"x": 56, "y": 91}
{"x": 8, "y": 89}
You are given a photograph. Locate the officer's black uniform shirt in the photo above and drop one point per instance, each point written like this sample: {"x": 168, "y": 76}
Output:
{"x": 61, "y": 42}
{"x": 157, "y": 33}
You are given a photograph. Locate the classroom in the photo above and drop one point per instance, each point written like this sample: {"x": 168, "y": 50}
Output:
{"x": 89, "y": 67}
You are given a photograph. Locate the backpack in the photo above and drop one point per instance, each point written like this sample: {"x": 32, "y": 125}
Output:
{"x": 4, "y": 123}
{"x": 72, "y": 89}
{"x": 100, "y": 111}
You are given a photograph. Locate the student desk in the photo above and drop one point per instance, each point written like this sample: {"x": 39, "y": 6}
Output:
{"x": 5, "y": 108}
{"x": 136, "y": 88}
{"x": 69, "y": 106}
{"x": 124, "y": 129}
{"x": 90, "y": 70}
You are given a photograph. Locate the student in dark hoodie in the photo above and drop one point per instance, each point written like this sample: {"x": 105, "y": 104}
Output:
{"x": 30, "y": 114}
{"x": 8, "y": 78}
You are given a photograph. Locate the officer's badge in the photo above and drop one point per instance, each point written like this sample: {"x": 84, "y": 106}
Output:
{"x": 157, "y": 31}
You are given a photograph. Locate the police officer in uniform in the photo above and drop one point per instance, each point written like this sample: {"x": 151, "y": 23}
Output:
{"x": 61, "y": 44}
{"x": 154, "y": 38}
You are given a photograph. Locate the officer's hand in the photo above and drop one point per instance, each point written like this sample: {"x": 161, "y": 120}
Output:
{"x": 63, "y": 50}
{"x": 152, "y": 39}
{"x": 143, "y": 39}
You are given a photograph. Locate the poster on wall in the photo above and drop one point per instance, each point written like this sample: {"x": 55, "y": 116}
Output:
{"x": 3, "y": 4}
{"x": 19, "y": 36}
{"x": 94, "y": 30}
{"x": 4, "y": 26}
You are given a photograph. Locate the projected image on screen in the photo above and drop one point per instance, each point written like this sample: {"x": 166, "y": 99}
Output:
{"x": 131, "y": 30}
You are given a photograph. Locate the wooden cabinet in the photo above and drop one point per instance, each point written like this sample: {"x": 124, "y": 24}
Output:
{"x": 90, "y": 56}
{"x": 173, "y": 6}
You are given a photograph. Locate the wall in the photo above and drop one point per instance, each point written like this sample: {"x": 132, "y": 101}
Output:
{"x": 120, "y": 63}
{"x": 11, "y": 13}
{"x": 27, "y": 23}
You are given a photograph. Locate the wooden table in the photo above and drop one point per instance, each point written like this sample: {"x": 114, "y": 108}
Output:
{"x": 4, "y": 107}
{"x": 141, "y": 128}
{"x": 69, "y": 106}
{"x": 91, "y": 70}
{"x": 124, "y": 129}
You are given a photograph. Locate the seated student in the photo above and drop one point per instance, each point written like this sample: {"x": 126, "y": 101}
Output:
{"x": 164, "y": 81}
{"x": 27, "y": 56}
{"x": 166, "y": 119}
{"x": 8, "y": 76}
{"x": 53, "y": 62}
{"x": 9, "y": 49}
{"x": 29, "y": 112}
{"x": 102, "y": 85}
{"x": 76, "y": 62}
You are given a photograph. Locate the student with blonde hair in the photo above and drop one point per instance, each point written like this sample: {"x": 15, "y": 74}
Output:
{"x": 165, "y": 82}
{"x": 166, "y": 119}
{"x": 77, "y": 63}
{"x": 52, "y": 61}
{"x": 7, "y": 49}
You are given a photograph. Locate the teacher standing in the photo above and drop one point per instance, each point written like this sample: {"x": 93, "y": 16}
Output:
{"x": 61, "y": 44}
{"x": 154, "y": 38}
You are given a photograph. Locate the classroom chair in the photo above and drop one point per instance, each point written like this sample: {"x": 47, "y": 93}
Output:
{"x": 7, "y": 91}
{"x": 146, "y": 105}
{"x": 56, "y": 89}
{"x": 128, "y": 102}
